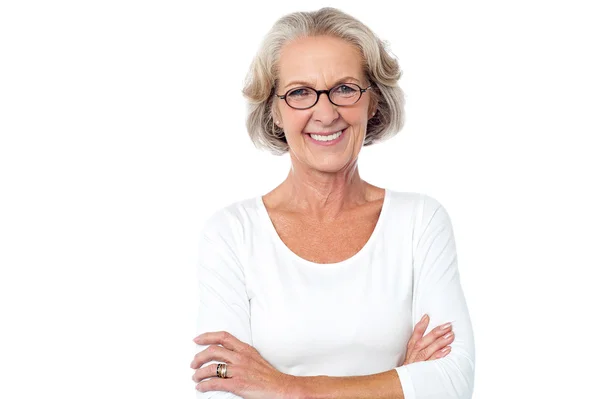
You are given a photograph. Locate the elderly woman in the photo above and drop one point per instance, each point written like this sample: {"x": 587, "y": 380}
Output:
{"x": 328, "y": 286}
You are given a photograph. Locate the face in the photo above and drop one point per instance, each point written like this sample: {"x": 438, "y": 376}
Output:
{"x": 321, "y": 63}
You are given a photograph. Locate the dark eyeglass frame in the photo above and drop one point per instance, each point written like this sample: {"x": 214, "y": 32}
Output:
{"x": 319, "y": 92}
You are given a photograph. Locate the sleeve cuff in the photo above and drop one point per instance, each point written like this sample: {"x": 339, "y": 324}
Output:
{"x": 406, "y": 382}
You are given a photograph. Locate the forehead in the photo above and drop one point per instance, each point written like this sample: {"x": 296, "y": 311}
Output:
{"x": 320, "y": 60}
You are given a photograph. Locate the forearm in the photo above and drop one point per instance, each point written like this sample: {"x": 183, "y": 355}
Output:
{"x": 384, "y": 385}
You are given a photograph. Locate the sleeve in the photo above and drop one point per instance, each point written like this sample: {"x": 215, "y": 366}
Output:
{"x": 437, "y": 291}
{"x": 223, "y": 303}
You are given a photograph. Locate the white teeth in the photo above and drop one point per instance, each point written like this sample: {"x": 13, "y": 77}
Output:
{"x": 326, "y": 138}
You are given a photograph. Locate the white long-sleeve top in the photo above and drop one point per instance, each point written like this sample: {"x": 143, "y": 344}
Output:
{"x": 349, "y": 318}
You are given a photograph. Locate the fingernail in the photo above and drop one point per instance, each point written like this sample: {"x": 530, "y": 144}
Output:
{"x": 445, "y": 326}
{"x": 446, "y": 349}
{"x": 425, "y": 317}
{"x": 448, "y": 335}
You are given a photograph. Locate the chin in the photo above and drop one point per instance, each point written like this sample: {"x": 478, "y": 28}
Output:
{"x": 331, "y": 164}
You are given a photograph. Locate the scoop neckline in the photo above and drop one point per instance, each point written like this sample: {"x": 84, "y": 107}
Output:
{"x": 365, "y": 248}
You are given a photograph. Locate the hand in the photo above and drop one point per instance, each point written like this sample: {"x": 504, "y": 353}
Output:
{"x": 249, "y": 375}
{"x": 430, "y": 347}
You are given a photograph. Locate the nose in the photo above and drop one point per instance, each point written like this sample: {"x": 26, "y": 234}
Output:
{"x": 324, "y": 111}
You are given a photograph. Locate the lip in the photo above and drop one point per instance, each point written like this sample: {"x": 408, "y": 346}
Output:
{"x": 327, "y": 143}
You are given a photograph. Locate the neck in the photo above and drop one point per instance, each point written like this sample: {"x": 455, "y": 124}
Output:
{"x": 323, "y": 195}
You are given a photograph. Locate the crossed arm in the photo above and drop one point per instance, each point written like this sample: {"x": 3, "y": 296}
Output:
{"x": 437, "y": 292}
{"x": 384, "y": 385}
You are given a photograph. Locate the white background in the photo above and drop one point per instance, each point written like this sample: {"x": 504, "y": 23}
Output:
{"x": 122, "y": 128}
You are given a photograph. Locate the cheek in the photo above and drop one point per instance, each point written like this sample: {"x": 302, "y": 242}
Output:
{"x": 295, "y": 121}
{"x": 357, "y": 118}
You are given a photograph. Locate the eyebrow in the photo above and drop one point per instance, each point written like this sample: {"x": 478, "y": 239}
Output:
{"x": 305, "y": 83}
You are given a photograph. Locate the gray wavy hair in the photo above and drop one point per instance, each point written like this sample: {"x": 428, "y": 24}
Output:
{"x": 380, "y": 68}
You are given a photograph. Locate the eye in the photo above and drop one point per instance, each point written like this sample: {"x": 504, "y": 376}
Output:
{"x": 346, "y": 89}
{"x": 299, "y": 92}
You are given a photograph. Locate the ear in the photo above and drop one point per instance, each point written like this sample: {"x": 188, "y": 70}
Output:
{"x": 372, "y": 107}
{"x": 275, "y": 114}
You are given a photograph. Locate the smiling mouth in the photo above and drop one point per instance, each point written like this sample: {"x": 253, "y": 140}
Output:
{"x": 326, "y": 136}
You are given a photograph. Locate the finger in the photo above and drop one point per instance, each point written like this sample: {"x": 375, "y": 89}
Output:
{"x": 214, "y": 352}
{"x": 218, "y": 384}
{"x": 433, "y": 335}
{"x": 418, "y": 332}
{"x": 440, "y": 343}
{"x": 417, "y": 353}
{"x": 210, "y": 371}
{"x": 441, "y": 353}
{"x": 221, "y": 337}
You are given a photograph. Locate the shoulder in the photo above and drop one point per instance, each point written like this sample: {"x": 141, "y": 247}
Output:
{"x": 423, "y": 210}
{"x": 420, "y": 203}
{"x": 224, "y": 233}
{"x": 232, "y": 220}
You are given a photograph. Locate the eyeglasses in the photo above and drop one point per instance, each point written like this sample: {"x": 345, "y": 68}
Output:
{"x": 341, "y": 95}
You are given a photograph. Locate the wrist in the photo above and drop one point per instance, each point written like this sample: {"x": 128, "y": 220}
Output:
{"x": 303, "y": 387}
{"x": 298, "y": 388}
